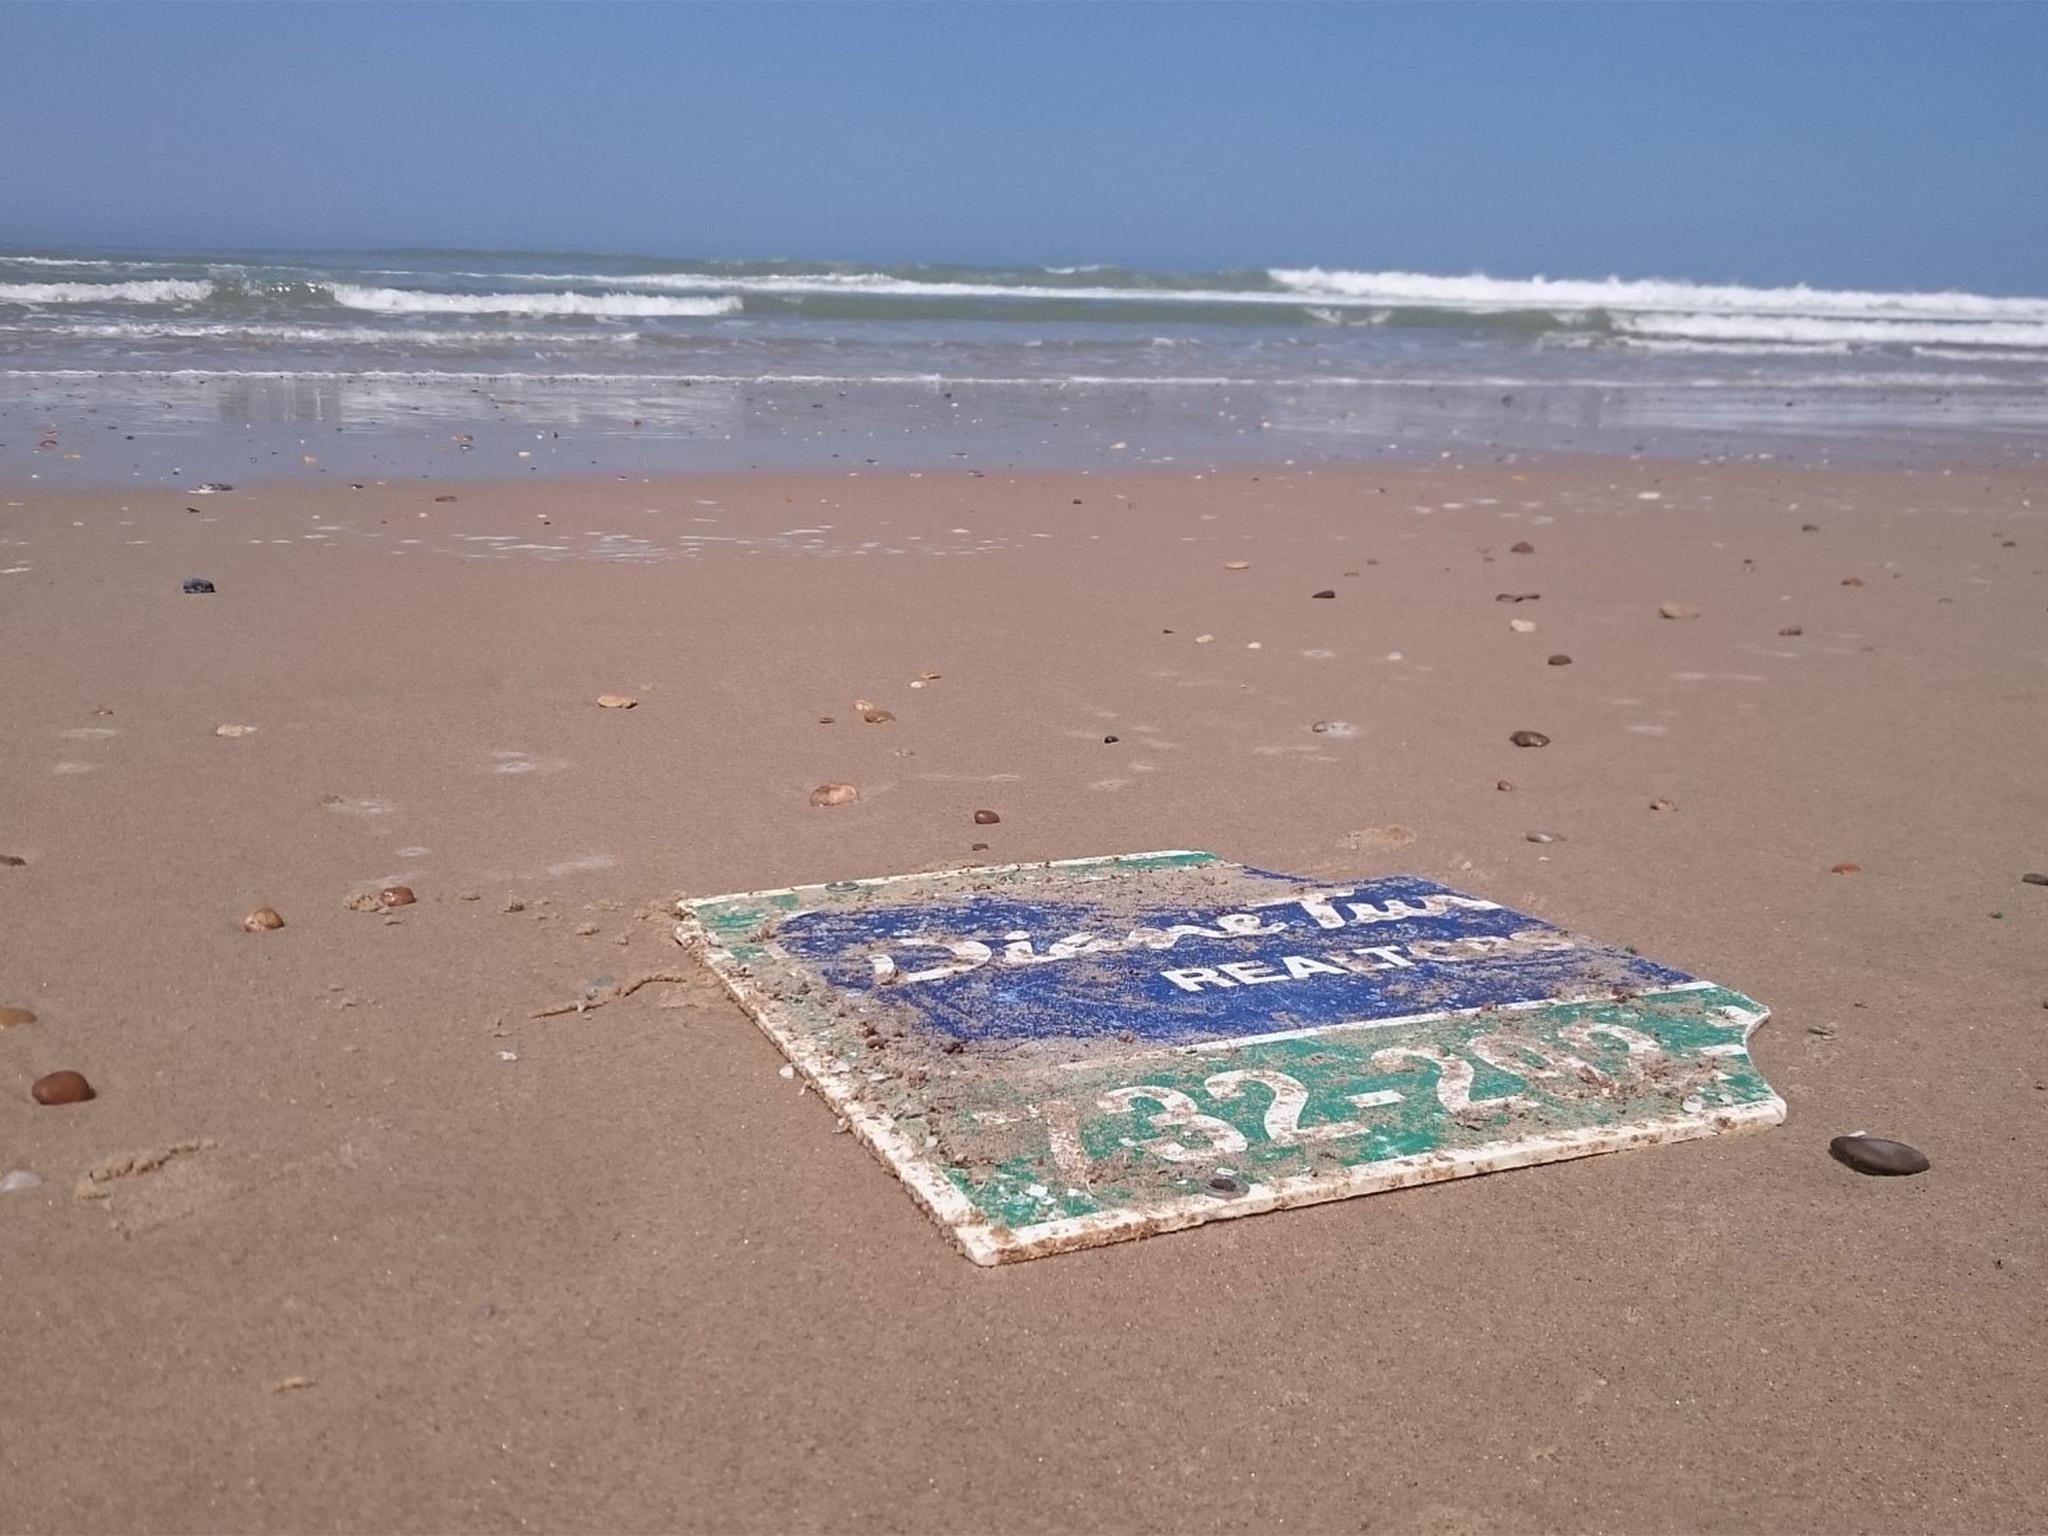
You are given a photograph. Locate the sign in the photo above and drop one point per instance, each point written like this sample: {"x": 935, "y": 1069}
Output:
{"x": 1054, "y": 1056}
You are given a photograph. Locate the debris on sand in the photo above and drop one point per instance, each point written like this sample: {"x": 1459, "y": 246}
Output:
{"x": 1530, "y": 739}
{"x": 62, "y": 1088}
{"x": 834, "y": 794}
{"x": 1677, "y": 611}
{"x": 617, "y": 701}
{"x": 1879, "y": 1156}
{"x": 262, "y": 920}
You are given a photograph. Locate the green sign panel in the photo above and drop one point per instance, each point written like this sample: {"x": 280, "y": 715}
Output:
{"x": 1054, "y": 1056}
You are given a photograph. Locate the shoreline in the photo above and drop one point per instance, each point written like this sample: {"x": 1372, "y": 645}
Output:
{"x": 514, "y": 1262}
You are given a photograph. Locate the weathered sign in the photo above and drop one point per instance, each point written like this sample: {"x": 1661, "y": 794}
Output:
{"x": 1053, "y": 1056}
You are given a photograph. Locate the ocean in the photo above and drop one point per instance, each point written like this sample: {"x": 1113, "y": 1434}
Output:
{"x": 149, "y": 366}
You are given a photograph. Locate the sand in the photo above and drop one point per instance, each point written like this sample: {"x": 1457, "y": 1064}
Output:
{"x": 350, "y": 1241}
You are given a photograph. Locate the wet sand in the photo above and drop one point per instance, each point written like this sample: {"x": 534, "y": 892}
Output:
{"x": 417, "y": 1260}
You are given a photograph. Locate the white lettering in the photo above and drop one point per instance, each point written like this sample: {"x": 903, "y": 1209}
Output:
{"x": 1300, "y": 966}
{"x": 1194, "y": 977}
{"x": 1251, "y": 972}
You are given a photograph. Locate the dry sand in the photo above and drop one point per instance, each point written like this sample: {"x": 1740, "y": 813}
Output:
{"x": 397, "y": 1256}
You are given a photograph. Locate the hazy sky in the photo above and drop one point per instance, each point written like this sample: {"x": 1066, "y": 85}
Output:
{"x": 1884, "y": 146}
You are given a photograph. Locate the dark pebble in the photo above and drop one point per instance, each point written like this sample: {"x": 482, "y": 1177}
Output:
{"x": 12, "y": 861}
{"x": 1326, "y": 592}
{"x": 1523, "y": 548}
{"x": 397, "y": 896}
{"x": 1874, "y": 1154}
{"x": 986, "y": 818}
{"x": 1530, "y": 739}
{"x": 2035, "y": 879}
{"x": 1109, "y": 741}
{"x": 1560, "y": 660}
{"x": 1516, "y": 597}
{"x": 198, "y": 584}
{"x": 1224, "y": 1184}
{"x": 62, "y": 1088}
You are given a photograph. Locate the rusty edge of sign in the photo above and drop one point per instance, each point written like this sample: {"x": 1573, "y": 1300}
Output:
{"x": 988, "y": 1244}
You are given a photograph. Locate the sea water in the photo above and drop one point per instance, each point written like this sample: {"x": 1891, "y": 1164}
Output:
{"x": 176, "y": 366}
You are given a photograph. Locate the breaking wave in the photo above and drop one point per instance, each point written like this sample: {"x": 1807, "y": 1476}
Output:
{"x": 168, "y": 290}
{"x": 412, "y": 301}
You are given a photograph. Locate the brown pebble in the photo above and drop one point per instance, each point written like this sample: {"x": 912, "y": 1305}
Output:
{"x": 11, "y": 861}
{"x": 1110, "y": 741}
{"x": 986, "y": 818}
{"x": 834, "y": 794}
{"x": 1530, "y": 739}
{"x": 1663, "y": 805}
{"x": 824, "y": 719}
{"x": 1523, "y": 547}
{"x": 2035, "y": 879}
{"x": 1326, "y": 592}
{"x": 1516, "y": 597}
{"x": 9, "y": 1017}
{"x": 1852, "y": 581}
{"x": 1320, "y": 726}
{"x": 1791, "y": 631}
{"x": 397, "y": 896}
{"x": 1809, "y": 527}
{"x": 977, "y": 847}
{"x": 1677, "y": 611}
{"x": 617, "y": 701}
{"x": 444, "y": 498}
{"x": 1877, "y": 1155}
{"x": 1503, "y": 784}
{"x": 1542, "y": 837}
{"x": 877, "y": 716}
{"x": 1560, "y": 660}
{"x": 1845, "y": 869}
{"x": 262, "y": 919}
{"x": 62, "y": 1088}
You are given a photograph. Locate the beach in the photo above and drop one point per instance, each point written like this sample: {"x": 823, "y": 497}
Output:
{"x": 350, "y": 1238}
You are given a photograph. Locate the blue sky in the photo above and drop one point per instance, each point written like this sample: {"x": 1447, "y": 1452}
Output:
{"x": 1884, "y": 146}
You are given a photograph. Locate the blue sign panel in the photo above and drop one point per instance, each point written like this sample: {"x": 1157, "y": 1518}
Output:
{"x": 996, "y": 965}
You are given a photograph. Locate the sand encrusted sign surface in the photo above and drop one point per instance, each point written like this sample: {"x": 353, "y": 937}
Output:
{"x": 1053, "y": 1056}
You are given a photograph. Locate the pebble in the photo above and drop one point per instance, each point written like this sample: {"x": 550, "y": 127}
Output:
{"x": 617, "y": 701}
{"x": 1809, "y": 527}
{"x": 1875, "y": 1154}
{"x": 1560, "y": 660}
{"x": 513, "y": 904}
{"x": 12, "y": 861}
{"x": 198, "y": 585}
{"x": 1530, "y": 739}
{"x": 1503, "y": 784}
{"x": 1663, "y": 805}
{"x": 1326, "y": 592}
{"x": 2034, "y": 879}
{"x": 1110, "y": 741}
{"x": 9, "y": 1017}
{"x": 397, "y": 896}
{"x": 1237, "y": 565}
{"x": 234, "y": 730}
{"x": 1791, "y": 631}
{"x": 1522, "y": 547}
{"x": 1522, "y": 626}
{"x": 444, "y": 498}
{"x": 18, "y": 1181}
{"x": 1203, "y": 639}
{"x": 1846, "y": 869}
{"x": 262, "y": 919}
{"x": 834, "y": 794}
{"x": 877, "y": 716}
{"x": 1541, "y": 837}
{"x": 586, "y": 930}
{"x": 1677, "y": 611}
{"x": 1852, "y": 581}
{"x": 986, "y": 818}
{"x": 1516, "y": 597}
{"x": 62, "y": 1088}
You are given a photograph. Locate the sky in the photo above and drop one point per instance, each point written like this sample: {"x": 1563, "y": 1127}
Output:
{"x": 1879, "y": 146}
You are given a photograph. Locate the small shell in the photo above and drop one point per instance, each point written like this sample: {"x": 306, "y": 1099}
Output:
{"x": 234, "y": 730}
{"x": 877, "y": 716}
{"x": 834, "y": 794}
{"x": 1876, "y": 1155}
{"x": 9, "y": 1017}
{"x": 262, "y": 919}
{"x": 616, "y": 701}
{"x": 1237, "y": 565}
{"x": 62, "y": 1088}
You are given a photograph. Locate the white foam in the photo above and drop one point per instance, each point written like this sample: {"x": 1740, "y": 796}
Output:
{"x": 412, "y": 301}
{"x": 1626, "y": 296}
{"x": 334, "y": 335}
{"x": 1810, "y": 328}
{"x": 152, "y": 291}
